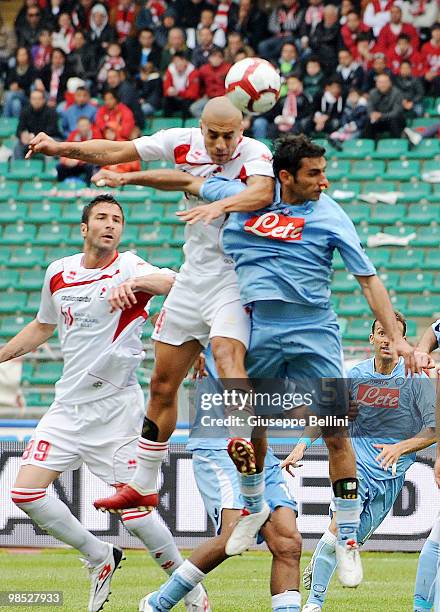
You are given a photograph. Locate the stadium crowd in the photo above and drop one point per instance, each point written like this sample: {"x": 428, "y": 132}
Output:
{"x": 86, "y": 69}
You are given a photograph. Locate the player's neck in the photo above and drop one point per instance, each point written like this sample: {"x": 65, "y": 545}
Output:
{"x": 385, "y": 366}
{"x": 94, "y": 258}
{"x": 291, "y": 198}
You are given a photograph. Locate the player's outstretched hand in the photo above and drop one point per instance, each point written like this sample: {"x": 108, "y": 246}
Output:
{"x": 122, "y": 297}
{"x": 406, "y": 351}
{"x": 389, "y": 456}
{"x": 423, "y": 360}
{"x": 437, "y": 471}
{"x": 207, "y": 213}
{"x": 42, "y": 143}
{"x": 107, "y": 178}
{"x": 291, "y": 461}
{"x": 199, "y": 368}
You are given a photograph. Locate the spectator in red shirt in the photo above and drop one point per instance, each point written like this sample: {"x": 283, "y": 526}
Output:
{"x": 212, "y": 80}
{"x": 391, "y": 31}
{"x": 73, "y": 168}
{"x": 180, "y": 86}
{"x": 351, "y": 30}
{"x": 113, "y": 110}
{"x": 404, "y": 51}
{"x": 431, "y": 58}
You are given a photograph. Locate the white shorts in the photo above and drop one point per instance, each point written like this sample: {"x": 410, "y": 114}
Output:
{"x": 206, "y": 307}
{"x": 102, "y": 434}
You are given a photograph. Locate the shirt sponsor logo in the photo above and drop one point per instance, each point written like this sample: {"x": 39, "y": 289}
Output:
{"x": 68, "y": 316}
{"x": 369, "y": 395}
{"x": 102, "y": 293}
{"x": 276, "y": 227}
{"x": 75, "y": 298}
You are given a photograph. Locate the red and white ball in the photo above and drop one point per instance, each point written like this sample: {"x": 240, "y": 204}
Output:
{"x": 253, "y": 85}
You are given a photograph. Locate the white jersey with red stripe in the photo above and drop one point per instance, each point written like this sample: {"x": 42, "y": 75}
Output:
{"x": 185, "y": 147}
{"x": 101, "y": 350}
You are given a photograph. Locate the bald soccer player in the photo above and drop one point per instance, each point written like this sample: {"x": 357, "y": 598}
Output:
{"x": 204, "y": 303}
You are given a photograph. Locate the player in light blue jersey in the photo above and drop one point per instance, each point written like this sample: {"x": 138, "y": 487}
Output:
{"x": 396, "y": 418}
{"x": 427, "y": 587}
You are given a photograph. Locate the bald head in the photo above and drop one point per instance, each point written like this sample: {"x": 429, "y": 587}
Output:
{"x": 221, "y": 128}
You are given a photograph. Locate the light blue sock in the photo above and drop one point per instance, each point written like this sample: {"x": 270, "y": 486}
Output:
{"x": 347, "y": 518}
{"x": 289, "y": 601}
{"x": 252, "y": 491}
{"x": 324, "y": 564}
{"x": 180, "y": 583}
{"x": 426, "y": 575}
{"x": 437, "y": 592}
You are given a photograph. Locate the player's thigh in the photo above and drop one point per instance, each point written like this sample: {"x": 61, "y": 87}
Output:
{"x": 54, "y": 445}
{"x": 383, "y": 494}
{"x": 33, "y": 477}
{"x": 180, "y": 319}
{"x": 281, "y": 533}
{"x": 172, "y": 364}
{"x": 276, "y": 491}
{"x": 217, "y": 480}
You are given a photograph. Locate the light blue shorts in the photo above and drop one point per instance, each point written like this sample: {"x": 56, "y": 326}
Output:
{"x": 217, "y": 481}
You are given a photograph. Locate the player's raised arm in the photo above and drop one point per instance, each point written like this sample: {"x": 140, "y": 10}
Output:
{"x": 97, "y": 152}
{"x": 389, "y": 454}
{"x": 163, "y": 179}
{"x": 429, "y": 342}
{"x": 379, "y": 301}
{"x": 27, "y": 340}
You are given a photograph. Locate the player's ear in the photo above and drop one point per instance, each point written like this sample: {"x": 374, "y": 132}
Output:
{"x": 371, "y": 338}
{"x": 83, "y": 228}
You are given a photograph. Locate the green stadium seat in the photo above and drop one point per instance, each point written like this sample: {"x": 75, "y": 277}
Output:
{"x": 424, "y": 306}
{"x": 11, "y": 212}
{"x": 427, "y": 149}
{"x": 404, "y": 258}
{"x": 71, "y": 213}
{"x": 26, "y": 257}
{"x": 389, "y": 279}
{"x": 415, "y": 282}
{"x": 156, "y": 304}
{"x": 343, "y": 324}
{"x": 423, "y": 214}
{"x": 8, "y": 190}
{"x": 391, "y": 148}
{"x": 167, "y": 197}
{"x": 170, "y": 217}
{"x": 12, "y": 301}
{"x": 435, "y": 287}
{"x": 378, "y": 187}
{"x": 432, "y": 260}
{"x": 10, "y": 326}
{"x": 337, "y": 169}
{"x": 33, "y": 302}
{"x": 367, "y": 170}
{"x": 192, "y": 123}
{"x": 31, "y": 280}
{"x": 358, "y": 212}
{"x": 19, "y": 234}
{"x": 47, "y": 373}
{"x": 359, "y": 329}
{"x": 411, "y": 329}
{"x": 44, "y": 212}
{"x": 178, "y": 238}
{"x": 344, "y": 192}
{"x": 26, "y": 372}
{"x": 430, "y": 165}
{"x": 165, "y": 258}
{"x": 52, "y": 233}
{"x": 165, "y": 123}
{"x": 423, "y": 122}
{"x": 8, "y": 279}
{"x": 367, "y": 230}
{"x": 49, "y": 172}
{"x": 53, "y": 253}
{"x": 129, "y": 235}
{"x": 8, "y": 126}
{"x": 379, "y": 256}
{"x": 387, "y": 214}
{"x": 344, "y": 282}
{"x": 399, "y": 230}
{"x": 146, "y": 213}
{"x": 402, "y": 170}
{"x": 158, "y": 164}
{"x": 399, "y": 302}
{"x": 5, "y": 253}
{"x": 25, "y": 169}
{"x": 353, "y": 305}
{"x": 154, "y": 236}
{"x": 4, "y": 169}
{"x": 34, "y": 191}
{"x": 435, "y": 196}
{"x": 357, "y": 149}
{"x": 135, "y": 194}
{"x": 414, "y": 192}
{"x": 428, "y": 236}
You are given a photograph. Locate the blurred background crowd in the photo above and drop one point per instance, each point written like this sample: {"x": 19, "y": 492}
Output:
{"x": 83, "y": 69}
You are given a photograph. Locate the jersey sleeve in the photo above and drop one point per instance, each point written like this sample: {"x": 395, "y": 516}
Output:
{"x": 47, "y": 313}
{"x": 258, "y": 161}
{"x": 219, "y": 187}
{"x": 436, "y": 329}
{"x": 140, "y": 267}
{"x": 346, "y": 240}
{"x": 160, "y": 145}
{"x": 425, "y": 399}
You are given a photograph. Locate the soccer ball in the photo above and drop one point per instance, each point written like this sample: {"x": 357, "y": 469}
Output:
{"x": 253, "y": 85}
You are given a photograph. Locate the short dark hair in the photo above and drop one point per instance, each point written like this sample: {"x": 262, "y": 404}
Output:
{"x": 113, "y": 92}
{"x": 149, "y": 30}
{"x": 436, "y": 26}
{"x": 399, "y": 317}
{"x": 290, "y": 150}
{"x": 404, "y": 37}
{"x": 82, "y": 88}
{"x": 103, "y": 197}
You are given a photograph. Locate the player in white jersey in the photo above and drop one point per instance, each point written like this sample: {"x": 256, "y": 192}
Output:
{"x": 98, "y": 300}
{"x": 204, "y": 304}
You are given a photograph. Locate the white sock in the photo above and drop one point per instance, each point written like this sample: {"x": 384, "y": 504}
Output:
{"x": 289, "y": 601}
{"x": 156, "y": 536}
{"x": 191, "y": 573}
{"x": 53, "y": 516}
{"x": 150, "y": 456}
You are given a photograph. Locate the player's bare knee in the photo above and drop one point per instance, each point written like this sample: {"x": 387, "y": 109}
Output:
{"x": 336, "y": 440}
{"x": 227, "y": 353}
{"x": 286, "y": 545}
{"x": 162, "y": 388}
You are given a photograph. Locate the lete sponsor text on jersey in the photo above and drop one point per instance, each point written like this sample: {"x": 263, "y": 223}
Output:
{"x": 275, "y": 226}
{"x": 369, "y": 395}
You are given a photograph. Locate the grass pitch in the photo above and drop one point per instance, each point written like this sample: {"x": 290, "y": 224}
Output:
{"x": 239, "y": 585}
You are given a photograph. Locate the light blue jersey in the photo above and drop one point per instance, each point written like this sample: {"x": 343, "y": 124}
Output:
{"x": 392, "y": 407}
{"x": 284, "y": 252}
